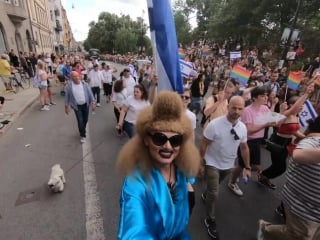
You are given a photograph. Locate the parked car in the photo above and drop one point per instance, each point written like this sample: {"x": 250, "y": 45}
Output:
{"x": 93, "y": 53}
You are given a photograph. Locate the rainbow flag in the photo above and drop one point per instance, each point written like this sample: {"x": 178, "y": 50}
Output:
{"x": 294, "y": 80}
{"x": 240, "y": 74}
{"x": 182, "y": 53}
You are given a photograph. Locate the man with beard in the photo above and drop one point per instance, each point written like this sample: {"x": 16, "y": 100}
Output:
{"x": 220, "y": 142}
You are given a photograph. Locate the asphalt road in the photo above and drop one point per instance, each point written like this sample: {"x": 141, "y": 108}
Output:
{"x": 29, "y": 211}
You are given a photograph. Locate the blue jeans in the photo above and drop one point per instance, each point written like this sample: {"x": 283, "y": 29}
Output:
{"x": 129, "y": 128}
{"x": 96, "y": 93}
{"x": 195, "y": 105}
{"x": 82, "y": 115}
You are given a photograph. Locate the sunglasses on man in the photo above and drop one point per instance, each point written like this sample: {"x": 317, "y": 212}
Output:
{"x": 235, "y": 135}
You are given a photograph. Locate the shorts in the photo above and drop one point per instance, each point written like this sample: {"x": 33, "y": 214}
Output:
{"x": 255, "y": 152}
{"x": 107, "y": 88}
{"x": 43, "y": 87}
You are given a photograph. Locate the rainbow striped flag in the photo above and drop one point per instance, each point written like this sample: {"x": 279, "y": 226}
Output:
{"x": 182, "y": 53}
{"x": 240, "y": 74}
{"x": 294, "y": 80}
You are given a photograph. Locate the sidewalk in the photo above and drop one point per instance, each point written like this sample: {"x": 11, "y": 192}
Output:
{"x": 15, "y": 105}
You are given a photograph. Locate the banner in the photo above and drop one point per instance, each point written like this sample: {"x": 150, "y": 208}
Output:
{"x": 235, "y": 55}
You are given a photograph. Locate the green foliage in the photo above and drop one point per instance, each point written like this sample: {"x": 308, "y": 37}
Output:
{"x": 256, "y": 22}
{"x": 114, "y": 34}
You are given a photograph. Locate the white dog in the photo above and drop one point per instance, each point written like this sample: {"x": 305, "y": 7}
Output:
{"x": 57, "y": 179}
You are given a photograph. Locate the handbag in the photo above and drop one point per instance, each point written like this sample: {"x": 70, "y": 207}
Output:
{"x": 272, "y": 146}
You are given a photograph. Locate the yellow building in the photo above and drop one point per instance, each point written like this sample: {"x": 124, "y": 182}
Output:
{"x": 40, "y": 26}
{"x": 68, "y": 39}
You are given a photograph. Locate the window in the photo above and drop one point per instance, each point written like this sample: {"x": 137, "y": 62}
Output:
{"x": 2, "y": 41}
{"x": 51, "y": 15}
{"x": 16, "y": 2}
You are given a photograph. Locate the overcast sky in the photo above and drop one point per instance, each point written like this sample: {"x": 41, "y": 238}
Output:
{"x": 81, "y": 12}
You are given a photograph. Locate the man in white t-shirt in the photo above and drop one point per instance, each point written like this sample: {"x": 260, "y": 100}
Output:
{"x": 129, "y": 80}
{"x": 220, "y": 142}
{"x": 95, "y": 81}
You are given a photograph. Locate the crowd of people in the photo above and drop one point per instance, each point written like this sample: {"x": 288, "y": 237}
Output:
{"x": 160, "y": 160}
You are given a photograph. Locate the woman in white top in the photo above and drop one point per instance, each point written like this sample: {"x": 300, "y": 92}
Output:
{"x": 43, "y": 85}
{"x": 119, "y": 97}
{"x": 131, "y": 108}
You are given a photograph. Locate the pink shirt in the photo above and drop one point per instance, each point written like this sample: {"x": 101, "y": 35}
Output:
{"x": 249, "y": 116}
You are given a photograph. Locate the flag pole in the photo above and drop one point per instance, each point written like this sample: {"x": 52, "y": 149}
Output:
{"x": 285, "y": 95}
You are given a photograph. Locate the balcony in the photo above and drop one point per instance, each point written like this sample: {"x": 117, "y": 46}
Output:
{"x": 16, "y": 14}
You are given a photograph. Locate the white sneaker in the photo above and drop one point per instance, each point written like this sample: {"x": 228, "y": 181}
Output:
{"x": 261, "y": 224}
{"x": 82, "y": 140}
{"x": 235, "y": 189}
{"x": 98, "y": 104}
{"x": 45, "y": 108}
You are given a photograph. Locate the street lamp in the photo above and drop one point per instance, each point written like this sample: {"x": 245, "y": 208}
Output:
{"x": 287, "y": 43}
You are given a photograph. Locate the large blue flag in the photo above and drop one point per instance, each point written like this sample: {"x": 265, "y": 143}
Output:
{"x": 165, "y": 45}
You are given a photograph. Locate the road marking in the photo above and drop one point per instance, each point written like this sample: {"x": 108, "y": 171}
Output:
{"x": 94, "y": 221}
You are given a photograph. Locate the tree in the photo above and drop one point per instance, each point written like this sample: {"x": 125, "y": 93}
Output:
{"x": 114, "y": 34}
{"x": 256, "y": 22}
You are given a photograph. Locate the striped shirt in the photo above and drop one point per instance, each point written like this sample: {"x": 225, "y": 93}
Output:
{"x": 301, "y": 192}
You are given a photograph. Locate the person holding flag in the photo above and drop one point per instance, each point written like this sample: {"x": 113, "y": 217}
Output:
{"x": 288, "y": 129}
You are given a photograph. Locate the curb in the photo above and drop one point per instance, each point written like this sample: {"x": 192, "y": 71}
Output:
{"x": 17, "y": 114}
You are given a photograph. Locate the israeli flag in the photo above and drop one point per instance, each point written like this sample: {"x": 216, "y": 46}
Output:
{"x": 185, "y": 68}
{"x": 165, "y": 45}
{"x": 307, "y": 113}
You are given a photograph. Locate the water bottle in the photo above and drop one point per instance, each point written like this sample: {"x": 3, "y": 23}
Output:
{"x": 244, "y": 176}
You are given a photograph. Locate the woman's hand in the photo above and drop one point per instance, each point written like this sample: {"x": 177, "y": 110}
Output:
{"x": 309, "y": 88}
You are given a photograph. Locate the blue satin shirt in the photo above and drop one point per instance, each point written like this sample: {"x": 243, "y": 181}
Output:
{"x": 148, "y": 211}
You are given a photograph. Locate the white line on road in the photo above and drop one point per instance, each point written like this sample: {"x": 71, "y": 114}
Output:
{"x": 94, "y": 221}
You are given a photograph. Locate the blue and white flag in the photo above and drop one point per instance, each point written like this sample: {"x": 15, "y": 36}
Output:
{"x": 185, "y": 68}
{"x": 307, "y": 113}
{"x": 165, "y": 45}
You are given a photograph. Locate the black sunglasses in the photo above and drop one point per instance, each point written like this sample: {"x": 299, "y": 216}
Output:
{"x": 159, "y": 139}
{"x": 185, "y": 97}
{"x": 236, "y": 137}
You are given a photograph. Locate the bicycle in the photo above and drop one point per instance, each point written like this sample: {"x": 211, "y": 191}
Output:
{"x": 14, "y": 84}
{"x": 23, "y": 76}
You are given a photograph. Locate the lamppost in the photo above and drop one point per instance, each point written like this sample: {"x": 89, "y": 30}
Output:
{"x": 288, "y": 41}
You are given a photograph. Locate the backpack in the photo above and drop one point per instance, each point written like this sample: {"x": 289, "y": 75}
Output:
{"x": 36, "y": 81}
{"x": 60, "y": 70}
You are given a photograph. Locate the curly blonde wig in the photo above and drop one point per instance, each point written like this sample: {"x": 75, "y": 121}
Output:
{"x": 165, "y": 115}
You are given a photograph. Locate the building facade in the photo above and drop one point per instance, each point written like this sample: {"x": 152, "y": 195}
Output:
{"x": 55, "y": 11}
{"x": 15, "y": 28}
{"x": 68, "y": 39}
{"x": 41, "y": 26}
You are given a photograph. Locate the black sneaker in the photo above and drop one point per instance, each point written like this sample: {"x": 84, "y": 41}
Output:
{"x": 266, "y": 182}
{"x": 212, "y": 228}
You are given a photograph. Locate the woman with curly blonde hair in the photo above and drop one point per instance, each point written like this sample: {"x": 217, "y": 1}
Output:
{"x": 157, "y": 162}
